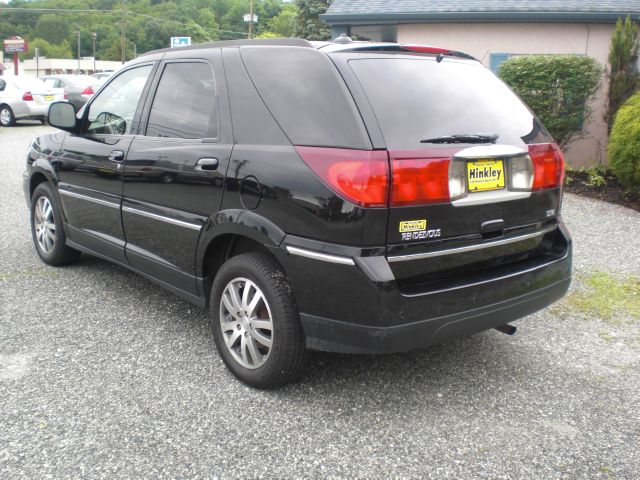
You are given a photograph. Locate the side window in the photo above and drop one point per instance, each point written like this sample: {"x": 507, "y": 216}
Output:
{"x": 185, "y": 103}
{"x": 2, "y": 85}
{"x": 113, "y": 109}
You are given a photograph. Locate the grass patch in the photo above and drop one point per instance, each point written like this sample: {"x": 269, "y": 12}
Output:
{"x": 611, "y": 299}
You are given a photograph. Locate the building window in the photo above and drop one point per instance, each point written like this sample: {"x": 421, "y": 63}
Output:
{"x": 495, "y": 59}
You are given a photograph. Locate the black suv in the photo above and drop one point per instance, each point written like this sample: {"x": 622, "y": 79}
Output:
{"x": 346, "y": 197}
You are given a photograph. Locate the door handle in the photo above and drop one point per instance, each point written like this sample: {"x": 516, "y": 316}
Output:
{"x": 116, "y": 156}
{"x": 207, "y": 164}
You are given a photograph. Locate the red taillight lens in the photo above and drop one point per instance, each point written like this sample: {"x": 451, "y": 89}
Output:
{"x": 360, "y": 176}
{"x": 418, "y": 181}
{"x": 27, "y": 97}
{"x": 66, "y": 95}
{"x": 425, "y": 49}
{"x": 548, "y": 165}
{"x": 88, "y": 91}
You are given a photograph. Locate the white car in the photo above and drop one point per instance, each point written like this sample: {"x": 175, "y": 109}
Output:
{"x": 26, "y": 98}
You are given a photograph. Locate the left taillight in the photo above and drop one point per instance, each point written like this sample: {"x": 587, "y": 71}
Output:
{"x": 360, "y": 176}
{"x": 88, "y": 91}
{"x": 419, "y": 181}
{"x": 548, "y": 165}
{"x": 27, "y": 97}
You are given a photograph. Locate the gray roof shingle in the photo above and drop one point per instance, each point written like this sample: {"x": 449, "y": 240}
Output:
{"x": 403, "y": 10}
{"x": 432, "y": 6}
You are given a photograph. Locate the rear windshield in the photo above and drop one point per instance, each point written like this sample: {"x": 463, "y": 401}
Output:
{"x": 419, "y": 98}
{"x": 29, "y": 83}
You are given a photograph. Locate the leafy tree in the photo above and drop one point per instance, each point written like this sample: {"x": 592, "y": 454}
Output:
{"x": 624, "y": 143}
{"x": 284, "y": 24}
{"x": 623, "y": 74}
{"x": 53, "y": 28}
{"x": 45, "y": 49}
{"x": 308, "y": 24}
{"x": 558, "y": 88}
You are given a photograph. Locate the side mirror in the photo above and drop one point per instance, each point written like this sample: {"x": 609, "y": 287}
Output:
{"x": 62, "y": 115}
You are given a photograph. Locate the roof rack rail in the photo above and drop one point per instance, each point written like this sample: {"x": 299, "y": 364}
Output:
{"x": 286, "y": 42}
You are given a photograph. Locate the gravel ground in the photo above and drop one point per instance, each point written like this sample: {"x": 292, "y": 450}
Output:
{"x": 104, "y": 375}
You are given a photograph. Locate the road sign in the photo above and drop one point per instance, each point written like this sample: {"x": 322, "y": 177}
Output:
{"x": 180, "y": 41}
{"x": 16, "y": 45}
{"x": 246, "y": 17}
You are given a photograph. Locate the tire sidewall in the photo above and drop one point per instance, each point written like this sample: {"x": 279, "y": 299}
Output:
{"x": 12, "y": 118}
{"x": 54, "y": 257}
{"x": 259, "y": 377}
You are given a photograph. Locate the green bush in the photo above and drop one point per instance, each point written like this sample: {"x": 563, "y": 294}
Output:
{"x": 558, "y": 88}
{"x": 624, "y": 144}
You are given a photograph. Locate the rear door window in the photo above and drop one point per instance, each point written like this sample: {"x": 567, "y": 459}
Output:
{"x": 185, "y": 103}
{"x": 419, "y": 98}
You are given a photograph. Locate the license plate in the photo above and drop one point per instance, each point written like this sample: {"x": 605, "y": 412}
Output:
{"x": 485, "y": 175}
{"x": 48, "y": 98}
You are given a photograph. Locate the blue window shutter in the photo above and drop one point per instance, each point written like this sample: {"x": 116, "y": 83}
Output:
{"x": 495, "y": 59}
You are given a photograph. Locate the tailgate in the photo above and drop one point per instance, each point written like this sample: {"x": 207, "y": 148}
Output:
{"x": 475, "y": 178}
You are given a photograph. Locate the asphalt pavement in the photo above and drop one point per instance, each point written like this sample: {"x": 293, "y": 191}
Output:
{"x": 105, "y": 375}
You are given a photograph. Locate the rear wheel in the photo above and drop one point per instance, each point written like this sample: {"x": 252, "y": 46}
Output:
{"x": 7, "y": 118}
{"x": 47, "y": 230}
{"x": 255, "y": 322}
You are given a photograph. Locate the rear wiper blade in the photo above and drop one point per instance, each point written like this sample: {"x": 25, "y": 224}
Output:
{"x": 466, "y": 138}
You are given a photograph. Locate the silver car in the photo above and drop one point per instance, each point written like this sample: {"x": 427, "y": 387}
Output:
{"x": 79, "y": 88}
{"x": 26, "y": 98}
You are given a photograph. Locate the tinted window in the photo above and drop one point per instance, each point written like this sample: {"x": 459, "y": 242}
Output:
{"x": 306, "y": 95}
{"x": 113, "y": 109}
{"x": 185, "y": 103}
{"x": 419, "y": 98}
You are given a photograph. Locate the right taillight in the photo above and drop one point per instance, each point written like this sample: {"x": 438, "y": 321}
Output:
{"x": 419, "y": 181}
{"x": 548, "y": 165}
{"x": 88, "y": 91}
{"x": 360, "y": 176}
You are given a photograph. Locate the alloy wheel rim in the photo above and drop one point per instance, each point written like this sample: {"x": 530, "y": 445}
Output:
{"x": 246, "y": 322}
{"x": 45, "y": 225}
{"x": 5, "y": 116}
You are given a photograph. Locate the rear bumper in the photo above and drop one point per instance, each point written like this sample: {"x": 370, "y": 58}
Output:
{"x": 362, "y": 310}
{"x": 31, "y": 109}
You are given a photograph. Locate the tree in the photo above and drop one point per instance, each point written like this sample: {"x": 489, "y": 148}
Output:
{"x": 623, "y": 75}
{"x": 308, "y": 24}
{"x": 53, "y": 28}
{"x": 558, "y": 88}
{"x": 624, "y": 144}
{"x": 284, "y": 23}
{"x": 45, "y": 49}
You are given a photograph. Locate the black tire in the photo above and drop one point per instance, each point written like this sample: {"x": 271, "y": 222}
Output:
{"x": 7, "y": 118}
{"x": 287, "y": 356}
{"x": 59, "y": 253}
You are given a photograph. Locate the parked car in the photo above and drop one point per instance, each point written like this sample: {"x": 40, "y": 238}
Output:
{"x": 25, "y": 98}
{"x": 79, "y": 88}
{"x": 346, "y": 197}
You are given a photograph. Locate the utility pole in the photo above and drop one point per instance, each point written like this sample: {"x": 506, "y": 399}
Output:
{"x": 250, "y": 18}
{"x": 124, "y": 54}
{"x": 94, "y": 35}
{"x": 37, "y": 62}
{"x": 78, "y": 69}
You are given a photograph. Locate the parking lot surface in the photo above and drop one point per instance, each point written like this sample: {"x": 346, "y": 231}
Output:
{"x": 105, "y": 375}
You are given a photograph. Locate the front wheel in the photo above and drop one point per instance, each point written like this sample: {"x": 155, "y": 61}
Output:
{"x": 7, "y": 118}
{"x": 255, "y": 322}
{"x": 47, "y": 229}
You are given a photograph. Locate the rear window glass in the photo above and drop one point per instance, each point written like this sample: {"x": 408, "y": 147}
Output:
{"x": 28, "y": 83}
{"x": 419, "y": 98}
{"x": 306, "y": 95}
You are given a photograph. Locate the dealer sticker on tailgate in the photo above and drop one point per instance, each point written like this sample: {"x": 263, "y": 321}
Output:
{"x": 484, "y": 175}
